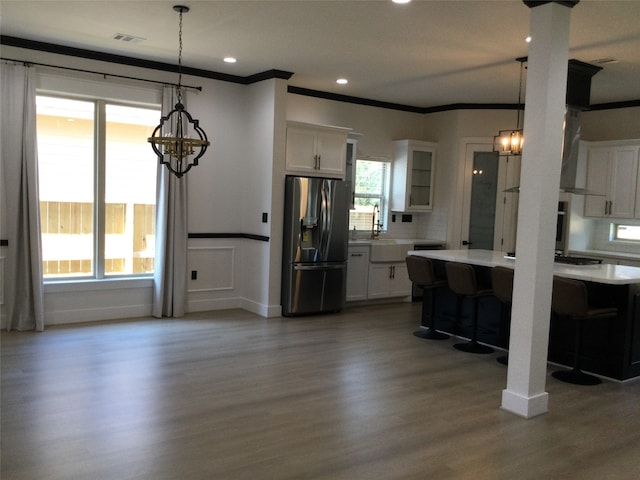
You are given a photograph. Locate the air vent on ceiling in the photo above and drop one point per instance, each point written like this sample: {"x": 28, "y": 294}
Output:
{"x": 123, "y": 37}
{"x": 605, "y": 60}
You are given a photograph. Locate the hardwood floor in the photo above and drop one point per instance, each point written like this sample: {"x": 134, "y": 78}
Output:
{"x": 229, "y": 395}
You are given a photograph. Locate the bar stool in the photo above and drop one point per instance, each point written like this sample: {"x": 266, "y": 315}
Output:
{"x": 422, "y": 274}
{"x": 502, "y": 285}
{"x": 570, "y": 300}
{"x": 462, "y": 281}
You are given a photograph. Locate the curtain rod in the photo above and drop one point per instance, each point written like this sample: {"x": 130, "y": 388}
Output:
{"x": 27, "y": 63}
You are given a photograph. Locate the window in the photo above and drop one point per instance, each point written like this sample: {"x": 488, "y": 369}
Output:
{"x": 97, "y": 181}
{"x": 371, "y": 188}
{"x": 627, "y": 232}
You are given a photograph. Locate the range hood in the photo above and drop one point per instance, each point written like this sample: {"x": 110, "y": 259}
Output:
{"x": 578, "y": 94}
{"x": 579, "y": 76}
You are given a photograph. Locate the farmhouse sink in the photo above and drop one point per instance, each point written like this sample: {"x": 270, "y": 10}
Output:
{"x": 389, "y": 250}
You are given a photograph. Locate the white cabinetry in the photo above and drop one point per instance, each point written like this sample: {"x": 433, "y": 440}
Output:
{"x": 413, "y": 176}
{"x": 388, "y": 280}
{"x": 316, "y": 150}
{"x": 357, "y": 273}
{"x": 612, "y": 175}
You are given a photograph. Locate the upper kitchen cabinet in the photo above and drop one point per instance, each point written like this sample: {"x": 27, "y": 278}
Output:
{"x": 413, "y": 175}
{"x": 612, "y": 179}
{"x": 316, "y": 150}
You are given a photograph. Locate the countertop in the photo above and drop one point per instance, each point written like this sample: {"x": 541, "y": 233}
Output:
{"x": 606, "y": 254}
{"x": 603, "y": 273}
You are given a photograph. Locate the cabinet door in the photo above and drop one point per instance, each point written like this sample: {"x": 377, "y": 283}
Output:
{"x": 598, "y": 165}
{"x": 357, "y": 273}
{"x": 400, "y": 285}
{"x": 420, "y": 178}
{"x": 331, "y": 149}
{"x": 388, "y": 280}
{"x": 301, "y": 149}
{"x": 379, "y": 280}
{"x": 413, "y": 176}
{"x": 624, "y": 170}
{"x": 612, "y": 179}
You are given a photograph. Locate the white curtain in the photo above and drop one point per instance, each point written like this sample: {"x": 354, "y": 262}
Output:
{"x": 18, "y": 157}
{"x": 170, "y": 277}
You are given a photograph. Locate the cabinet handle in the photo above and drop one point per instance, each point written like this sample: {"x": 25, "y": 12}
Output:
{"x": 356, "y": 254}
{"x": 319, "y": 158}
{"x": 610, "y": 207}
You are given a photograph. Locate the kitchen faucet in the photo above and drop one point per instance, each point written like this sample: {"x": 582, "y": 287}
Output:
{"x": 375, "y": 226}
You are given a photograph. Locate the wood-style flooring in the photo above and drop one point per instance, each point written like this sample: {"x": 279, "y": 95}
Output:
{"x": 230, "y": 395}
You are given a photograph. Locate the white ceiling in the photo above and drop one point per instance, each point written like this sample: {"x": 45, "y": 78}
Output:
{"x": 426, "y": 53}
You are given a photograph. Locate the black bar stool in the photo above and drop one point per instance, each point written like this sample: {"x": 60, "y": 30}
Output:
{"x": 422, "y": 274}
{"x": 462, "y": 281}
{"x": 570, "y": 300}
{"x": 502, "y": 285}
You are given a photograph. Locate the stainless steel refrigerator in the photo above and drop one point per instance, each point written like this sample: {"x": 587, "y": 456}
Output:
{"x": 315, "y": 242}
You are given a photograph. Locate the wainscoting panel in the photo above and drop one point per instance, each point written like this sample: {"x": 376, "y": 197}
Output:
{"x": 214, "y": 267}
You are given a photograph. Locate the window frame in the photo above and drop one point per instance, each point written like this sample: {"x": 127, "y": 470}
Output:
{"x": 383, "y": 195}
{"x": 615, "y": 232}
{"x": 99, "y": 180}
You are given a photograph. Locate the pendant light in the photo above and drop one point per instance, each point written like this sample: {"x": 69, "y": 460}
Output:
{"x": 510, "y": 142}
{"x": 178, "y": 140}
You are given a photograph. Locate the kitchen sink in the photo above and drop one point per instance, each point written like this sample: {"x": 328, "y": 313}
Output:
{"x": 389, "y": 250}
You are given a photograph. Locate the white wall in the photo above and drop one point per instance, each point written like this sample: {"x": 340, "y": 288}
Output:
{"x": 228, "y": 192}
{"x": 242, "y": 175}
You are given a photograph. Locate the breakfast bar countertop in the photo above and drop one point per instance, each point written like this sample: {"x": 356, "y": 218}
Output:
{"x": 602, "y": 273}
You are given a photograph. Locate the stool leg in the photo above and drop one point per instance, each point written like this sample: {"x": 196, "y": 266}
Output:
{"x": 575, "y": 375}
{"x": 431, "y": 333}
{"x": 473, "y": 346}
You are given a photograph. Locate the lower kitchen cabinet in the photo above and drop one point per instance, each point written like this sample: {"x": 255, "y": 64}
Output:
{"x": 357, "y": 273}
{"x": 388, "y": 280}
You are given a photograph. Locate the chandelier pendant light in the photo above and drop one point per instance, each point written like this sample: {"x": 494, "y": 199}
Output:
{"x": 178, "y": 140}
{"x": 510, "y": 142}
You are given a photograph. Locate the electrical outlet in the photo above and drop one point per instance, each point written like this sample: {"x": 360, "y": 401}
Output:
{"x": 194, "y": 274}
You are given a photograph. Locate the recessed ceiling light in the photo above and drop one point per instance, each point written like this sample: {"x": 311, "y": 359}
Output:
{"x": 528, "y": 39}
{"x": 230, "y": 59}
{"x": 400, "y": 1}
{"x": 342, "y": 81}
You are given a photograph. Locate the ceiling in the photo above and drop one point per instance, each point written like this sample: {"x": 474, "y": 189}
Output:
{"x": 426, "y": 53}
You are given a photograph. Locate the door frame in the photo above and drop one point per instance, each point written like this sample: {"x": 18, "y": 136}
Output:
{"x": 506, "y": 203}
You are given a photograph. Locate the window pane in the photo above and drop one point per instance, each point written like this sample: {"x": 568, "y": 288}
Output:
{"x": 130, "y": 190}
{"x": 628, "y": 232}
{"x": 372, "y": 186}
{"x": 65, "y": 162}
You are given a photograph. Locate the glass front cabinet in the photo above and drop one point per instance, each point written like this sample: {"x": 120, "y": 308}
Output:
{"x": 413, "y": 175}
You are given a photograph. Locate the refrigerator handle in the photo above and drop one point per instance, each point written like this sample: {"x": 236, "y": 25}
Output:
{"x": 324, "y": 221}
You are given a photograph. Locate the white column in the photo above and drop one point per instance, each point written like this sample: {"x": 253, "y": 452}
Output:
{"x": 539, "y": 188}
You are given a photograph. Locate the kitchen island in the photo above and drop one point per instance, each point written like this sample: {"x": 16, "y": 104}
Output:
{"x": 611, "y": 347}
